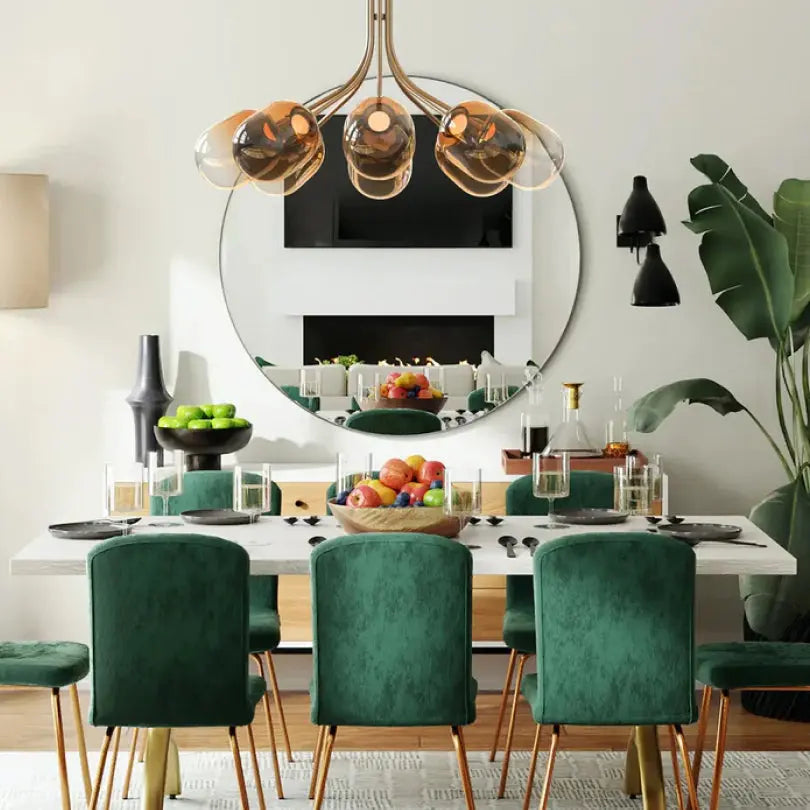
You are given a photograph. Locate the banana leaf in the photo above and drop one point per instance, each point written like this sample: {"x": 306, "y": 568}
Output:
{"x": 718, "y": 171}
{"x": 648, "y": 412}
{"x": 791, "y": 206}
{"x": 746, "y": 261}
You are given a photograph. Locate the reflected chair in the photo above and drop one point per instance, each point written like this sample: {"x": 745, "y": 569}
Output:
{"x": 392, "y": 640}
{"x": 764, "y": 666}
{"x": 477, "y": 400}
{"x": 170, "y": 641}
{"x": 614, "y": 617}
{"x": 294, "y": 393}
{"x": 394, "y": 422}
{"x": 588, "y": 489}
{"x": 51, "y": 665}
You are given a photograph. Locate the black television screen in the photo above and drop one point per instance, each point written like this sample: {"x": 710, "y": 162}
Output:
{"x": 432, "y": 212}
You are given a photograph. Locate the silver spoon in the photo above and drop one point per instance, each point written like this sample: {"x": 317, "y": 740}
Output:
{"x": 509, "y": 543}
{"x": 531, "y": 544}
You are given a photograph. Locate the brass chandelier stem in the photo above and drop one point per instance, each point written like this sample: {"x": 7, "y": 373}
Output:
{"x": 380, "y": 18}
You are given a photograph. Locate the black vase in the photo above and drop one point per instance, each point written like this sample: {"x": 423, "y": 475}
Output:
{"x": 149, "y": 398}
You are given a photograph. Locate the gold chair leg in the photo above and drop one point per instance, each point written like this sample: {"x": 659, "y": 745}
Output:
{"x": 676, "y": 774}
{"x": 256, "y": 773}
{"x": 316, "y": 759}
{"x": 527, "y": 799}
{"x": 173, "y": 786}
{"x": 277, "y": 698}
{"x": 552, "y": 755}
{"x": 142, "y": 752}
{"x": 329, "y": 744}
{"x": 271, "y": 732}
{"x": 59, "y": 733}
{"x": 652, "y": 774}
{"x": 703, "y": 722}
{"x": 722, "y": 727}
{"x": 691, "y": 786}
{"x": 102, "y": 760}
{"x": 632, "y": 772}
{"x": 237, "y": 761}
{"x": 507, "y": 684}
{"x": 155, "y": 768}
{"x": 77, "y": 721}
{"x": 116, "y": 741}
{"x": 463, "y": 765}
{"x": 511, "y": 729}
{"x": 130, "y": 762}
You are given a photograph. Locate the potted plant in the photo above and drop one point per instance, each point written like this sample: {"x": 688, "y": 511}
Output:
{"x": 758, "y": 266}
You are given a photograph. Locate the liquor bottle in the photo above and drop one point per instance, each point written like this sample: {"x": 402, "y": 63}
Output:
{"x": 570, "y": 436}
{"x": 534, "y": 420}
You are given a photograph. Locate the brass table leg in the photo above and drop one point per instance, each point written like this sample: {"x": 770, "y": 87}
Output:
{"x": 632, "y": 774}
{"x": 652, "y": 774}
{"x": 155, "y": 770}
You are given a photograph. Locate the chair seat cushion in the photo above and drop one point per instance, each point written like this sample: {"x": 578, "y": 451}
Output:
{"x": 51, "y": 664}
{"x": 265, "y": 629}
{"x": 518, "y": 629}
{"x": 737, "y": 665}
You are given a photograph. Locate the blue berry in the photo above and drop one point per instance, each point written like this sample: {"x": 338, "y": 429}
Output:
{"x": 412, "y": 394}
{"x": 403, "y": 499}
{"x": 437, "y": 484}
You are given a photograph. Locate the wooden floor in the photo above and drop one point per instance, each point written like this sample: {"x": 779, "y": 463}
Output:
{"x": 26, "y": 725}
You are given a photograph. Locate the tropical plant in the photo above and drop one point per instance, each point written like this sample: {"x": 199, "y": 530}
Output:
{"x": 758, "y": 266}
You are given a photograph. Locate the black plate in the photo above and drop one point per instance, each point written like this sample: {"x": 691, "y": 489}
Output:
{"x": 589, "y": 517}
{"x": 701, "y": 531}
{"x": 89, "y": 529}
{"x": 215, "y": 517}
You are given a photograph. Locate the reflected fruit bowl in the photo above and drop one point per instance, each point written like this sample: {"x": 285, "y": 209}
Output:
{"x": 412, "y": 403}
{"x": 204, "y": 448}
{"x": 422, "y": 519}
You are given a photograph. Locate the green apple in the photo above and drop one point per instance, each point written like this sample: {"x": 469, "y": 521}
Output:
{"x": 221, "y": 424}
{"x": 170, "y": 422}
{"x": 208, "y": 410}
{"x": 189, "y": 412}
{"x": 434, "y": 497}
{"x": 240, "y": 423}
{"x": 224, "y": 411}
{"x": 205, "y": 424}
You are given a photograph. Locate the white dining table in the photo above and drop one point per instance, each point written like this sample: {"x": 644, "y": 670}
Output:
{"x": 276, "y": 547}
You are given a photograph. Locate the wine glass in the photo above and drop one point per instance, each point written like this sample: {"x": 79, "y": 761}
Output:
{"x": 462, "y": 493}
{"x": 123, "y": 492}
{"x": 350, "y": 470}
{"x": 251, "y": 489}
{"x": 166, "y": 480}
{"x": 551, "y": 479}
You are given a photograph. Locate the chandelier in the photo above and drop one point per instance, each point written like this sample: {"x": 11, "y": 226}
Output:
{"x": 480, "y": 148}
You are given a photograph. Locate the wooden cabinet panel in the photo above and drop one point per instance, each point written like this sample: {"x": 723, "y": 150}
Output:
{"x": 303, "y": 499}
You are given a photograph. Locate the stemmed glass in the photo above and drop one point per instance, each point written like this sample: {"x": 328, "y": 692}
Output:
{"x": 123, "y": 492}
{"x": 462, "y": 493}
{"x": 251, "y": 489}
{"x": 166, "y": 480}
{"x": 551, "y": 479}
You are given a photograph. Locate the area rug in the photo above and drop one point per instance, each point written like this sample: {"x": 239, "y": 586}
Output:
{"x": 415, "y": 780}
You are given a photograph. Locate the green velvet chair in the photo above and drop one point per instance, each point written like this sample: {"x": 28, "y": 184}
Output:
{"x": 52, "y": 665}
{"x": 477, "y": 402}
{"x": 588, "y": 490}
{"x": 394, "y": 422}
{"x": 391, "y": 639}
{"x": 614, "y": 619}
{"x": 170, "y": 642}
{"x": 766, "y": 666}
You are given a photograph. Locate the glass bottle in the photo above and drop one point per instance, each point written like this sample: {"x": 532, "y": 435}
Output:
{"x": 534, "y": 421}
{"x": 570, "y": 436}
{"x": 616, "y": 444}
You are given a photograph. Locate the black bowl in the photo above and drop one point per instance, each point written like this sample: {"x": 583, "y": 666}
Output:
{"x": 204, "y": 448}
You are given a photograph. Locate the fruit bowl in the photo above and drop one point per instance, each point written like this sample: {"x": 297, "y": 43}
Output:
{"x": 413, "y": 403}
{"x": 423, "y": 519}
{"x": 204, "y": 448}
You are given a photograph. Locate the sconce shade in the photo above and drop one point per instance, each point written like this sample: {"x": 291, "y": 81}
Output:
{"x": 24, "y": 243}
{"x": 641, "y": 213}
{"x": 654, "y": 285}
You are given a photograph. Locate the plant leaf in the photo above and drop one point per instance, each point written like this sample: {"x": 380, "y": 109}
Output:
{"x": 791, "y": 206}
{"x": 718, "y": 171}
{"x": 746, "y": 261}
{"x": 648, "y": 412}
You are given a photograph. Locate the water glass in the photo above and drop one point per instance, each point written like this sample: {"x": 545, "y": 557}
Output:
{"x": 631, "y": 489}
{"x": 551, "y": 479}
{"x": 166, "y": 479}
{"x": 462, "y": 493}
{"x": 435, "y": 376}
{"x": 368, "y": 386}
{"x": 350, "y": 470}
{"x": 656, "y": 473}
{"x": 251, "y": 489}
{"x": 123, "y": 491}
{"x": 309, "y": 383}
{"x": 495, "y": 392}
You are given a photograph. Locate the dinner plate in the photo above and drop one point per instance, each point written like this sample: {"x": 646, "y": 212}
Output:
{"x": 89, "y": 529}
{"x": 215, "y": 517}
{"x": 589, "y": 517}
{"x": 701, "y": 531}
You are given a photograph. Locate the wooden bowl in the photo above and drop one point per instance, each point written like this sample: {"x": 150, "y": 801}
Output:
{"x": 429, "y": 405}
{"x": 423, "y": 519}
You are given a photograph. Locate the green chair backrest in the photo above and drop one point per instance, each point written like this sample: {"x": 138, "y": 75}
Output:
{"x": 614, "y": 616}
{"x": 169, "y": 627}
{"x": 392, "y": 631}
{"x": 294, "y": 393}
{"x": 395, "y": 422}
{"x": 476, "y": 400}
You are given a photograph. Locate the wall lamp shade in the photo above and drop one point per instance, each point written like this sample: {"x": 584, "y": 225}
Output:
{"x": 654, "y": 285}
{"x": 24, "y": 241}
{"x": 641, "y": 218}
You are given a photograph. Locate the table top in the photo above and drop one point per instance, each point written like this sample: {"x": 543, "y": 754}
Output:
{"x": 278, "y": 548}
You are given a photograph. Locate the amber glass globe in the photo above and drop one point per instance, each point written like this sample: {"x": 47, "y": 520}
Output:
{"x": 380, "y": 189}
{"x": 545, "y": 154}
{"x": 481, "y": 141}
{"x": 293, "y": 181}
{"x": 213, "y": 152}
{"x": 379, "y": 138}
{"x": 276, "y": 141}
{"x": 466, "y": 183}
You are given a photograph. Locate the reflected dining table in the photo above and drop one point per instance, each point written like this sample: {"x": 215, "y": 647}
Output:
{"x": 276, "y": 547}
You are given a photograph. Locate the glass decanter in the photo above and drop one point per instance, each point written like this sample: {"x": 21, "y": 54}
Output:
{"x": 570, "y": 436}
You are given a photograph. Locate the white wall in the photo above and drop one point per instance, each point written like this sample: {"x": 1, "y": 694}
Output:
{"x": 108, "y": 99}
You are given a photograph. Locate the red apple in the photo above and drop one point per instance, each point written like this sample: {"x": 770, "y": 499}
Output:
{"x": 392, "y": 378}
{"x": 363, "y": 497}
{"x": 416, "y": 491}
{"x": 397, "y": 392}
{"x": 421, "y": 381}
{"x": 431, "y": 471}
{"x": 425, "y": 393}
{"x": 395, "y": 473}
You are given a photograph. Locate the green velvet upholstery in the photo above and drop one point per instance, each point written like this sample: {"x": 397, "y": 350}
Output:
{"x": 294, "y": 393}
{"x": 394, "y": 422}
{"x": 169, "y": 626}
{"x": 593, "y": 490}
{"x": 615, "y": 631}
{"x": 745, "y": 664}
{"x": 392, "y": 631}
{"x": 51, "y": 664}
{"x": 477, "y": 402}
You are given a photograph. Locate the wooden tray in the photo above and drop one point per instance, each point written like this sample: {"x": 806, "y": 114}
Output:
{"x": 514, "y": 464}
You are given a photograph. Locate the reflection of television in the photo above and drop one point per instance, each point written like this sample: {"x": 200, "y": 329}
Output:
{"x": 432, "y": 212}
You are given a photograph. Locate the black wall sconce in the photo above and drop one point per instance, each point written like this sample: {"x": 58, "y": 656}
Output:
{"x": 639, "y": 223}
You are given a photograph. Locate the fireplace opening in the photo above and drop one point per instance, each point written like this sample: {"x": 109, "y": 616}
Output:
{"x": 373, "y": 338}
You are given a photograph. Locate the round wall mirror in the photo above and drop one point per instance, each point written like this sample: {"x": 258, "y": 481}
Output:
{"x": 419, "y": 313}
